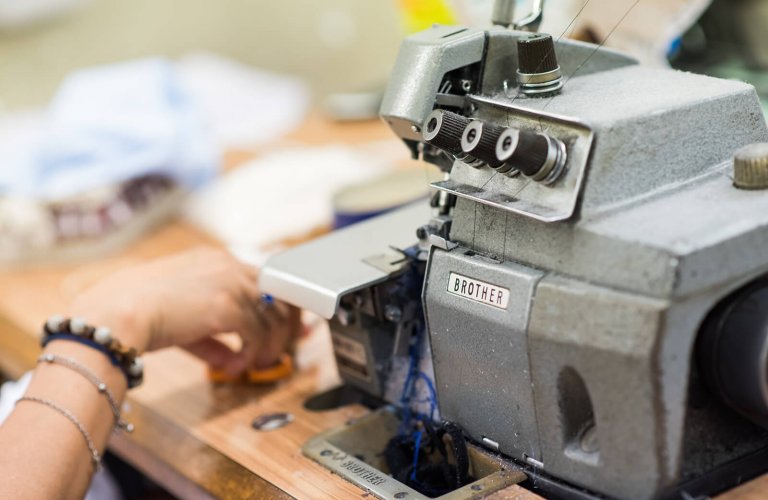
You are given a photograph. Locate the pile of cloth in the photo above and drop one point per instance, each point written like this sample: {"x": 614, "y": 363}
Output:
{"x": 120, "y": 144}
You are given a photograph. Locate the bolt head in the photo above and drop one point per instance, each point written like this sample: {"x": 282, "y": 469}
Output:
{"x": 393, "y": 313}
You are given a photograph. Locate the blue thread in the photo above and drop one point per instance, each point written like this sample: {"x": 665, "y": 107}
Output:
{"x": 405, "y": 398}
{"x": 416, "y": 454}
{"x": 674, "y": 47}
{"x": 90, "y": 343}
{"x": 413, "y": 281}
{"x": 432, "y": 392}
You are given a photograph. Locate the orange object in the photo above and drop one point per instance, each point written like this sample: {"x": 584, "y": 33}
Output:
{"x": 281, "y": 370}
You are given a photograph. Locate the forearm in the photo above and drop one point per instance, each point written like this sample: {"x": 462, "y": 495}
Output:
{"x": 180, "y": 300}
{"x": 44, "y": 453}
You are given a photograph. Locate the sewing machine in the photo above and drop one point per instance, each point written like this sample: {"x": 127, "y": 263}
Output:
{"x": 590, "y": 274}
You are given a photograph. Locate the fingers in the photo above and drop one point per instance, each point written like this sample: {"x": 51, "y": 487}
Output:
{"x": 207, "y": 292}
{"x": 216, "y": 354}
{"x": 261, "y": 349}
{"x": 293, "y": 323}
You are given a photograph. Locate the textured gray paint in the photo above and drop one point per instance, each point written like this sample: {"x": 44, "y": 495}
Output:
{"x": 425, "y": 57}
{"x": 481, "y": 353}
{"x": 608, "y": 338}
{"x": 421, "y": 64}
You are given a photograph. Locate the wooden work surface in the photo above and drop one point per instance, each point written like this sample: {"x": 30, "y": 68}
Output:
{"x": 193, "y": 437}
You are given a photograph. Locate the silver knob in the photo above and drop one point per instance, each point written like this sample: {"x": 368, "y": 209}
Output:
{"x": 750, "y": 167}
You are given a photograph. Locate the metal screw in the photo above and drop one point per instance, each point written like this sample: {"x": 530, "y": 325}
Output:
{"x": 401, "y": 494}
{"x": 393, "y": 313}
{"x": 476, "y": 487}
{"x": 422, "y": 232}
{"x": 325, "y": 453}
{"x": 271, "y": 421}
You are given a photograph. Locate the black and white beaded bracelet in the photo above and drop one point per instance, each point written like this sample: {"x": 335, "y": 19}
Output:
{"x": 58, "y": 327}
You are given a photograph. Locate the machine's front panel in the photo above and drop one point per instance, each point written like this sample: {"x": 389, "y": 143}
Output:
{"x": 477, "y": 313}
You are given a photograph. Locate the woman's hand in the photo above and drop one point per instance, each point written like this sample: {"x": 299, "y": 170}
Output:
{"x": 185, "y": 299}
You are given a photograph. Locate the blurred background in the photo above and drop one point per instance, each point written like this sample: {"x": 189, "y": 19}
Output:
{"x": 111, "y": 112}
{"x": 730, "y": 40}
{"x": 332, "y": 44}
{"x": 335, "y": 45}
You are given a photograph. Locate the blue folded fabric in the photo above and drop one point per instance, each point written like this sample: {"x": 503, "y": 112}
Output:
{"x": 113, "y": 123}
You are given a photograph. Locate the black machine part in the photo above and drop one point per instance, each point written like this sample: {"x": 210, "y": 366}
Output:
{"x": 444, "y": 129}
{"x": 732, "y": 351}
{"x": 524, "y": 150}
{"x": 538, "y": 72}
{"x": 536, "y": 54}
{"x": 479, "y": 140}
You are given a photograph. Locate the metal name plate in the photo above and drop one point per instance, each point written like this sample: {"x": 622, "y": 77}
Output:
{"x": 479, "y": 291}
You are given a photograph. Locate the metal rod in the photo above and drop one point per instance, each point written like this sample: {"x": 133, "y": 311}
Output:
{"x": 503, "y": 13}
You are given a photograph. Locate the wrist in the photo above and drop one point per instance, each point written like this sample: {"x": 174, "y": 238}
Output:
{"x": 128, "y": 323}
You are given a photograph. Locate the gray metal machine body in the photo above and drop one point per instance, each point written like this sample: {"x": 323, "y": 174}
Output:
{"x": 563, "y": 318}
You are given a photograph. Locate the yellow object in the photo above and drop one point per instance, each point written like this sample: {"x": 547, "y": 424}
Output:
{"x": 281, "y": 370}
{"x": 419, "y": 15}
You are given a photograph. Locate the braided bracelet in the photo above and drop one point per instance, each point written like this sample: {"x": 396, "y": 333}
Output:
{"x": 95, "y": 455}
{"x": 92, "y": 378}
{"x": 100, "y": 338}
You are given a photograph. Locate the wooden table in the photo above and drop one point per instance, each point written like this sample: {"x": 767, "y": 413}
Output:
{"x": 192, "y": 437}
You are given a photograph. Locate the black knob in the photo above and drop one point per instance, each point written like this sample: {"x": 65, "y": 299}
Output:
{"x": 443, "y": 129}
{"x": 536, "y": 54}
{"x": 538, "y": 156}
{"x": 732, "y": 351}
{"x": 523, "y": 150}
{"x": 479, "y": 140}
{"x": 538, "y": 72}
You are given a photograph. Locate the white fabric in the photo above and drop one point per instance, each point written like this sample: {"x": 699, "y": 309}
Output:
{"x": 286, "y": 193}
{"x": 119, "y": 121}
{"x": 112, "y": 123}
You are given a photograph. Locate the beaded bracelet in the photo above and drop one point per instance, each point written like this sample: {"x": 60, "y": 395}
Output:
{"x": 100, "y": 338}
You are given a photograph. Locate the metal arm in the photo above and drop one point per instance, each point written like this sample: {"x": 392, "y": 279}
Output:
{"x": 533, "y": 20}
{"x": 504, "y": 15}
